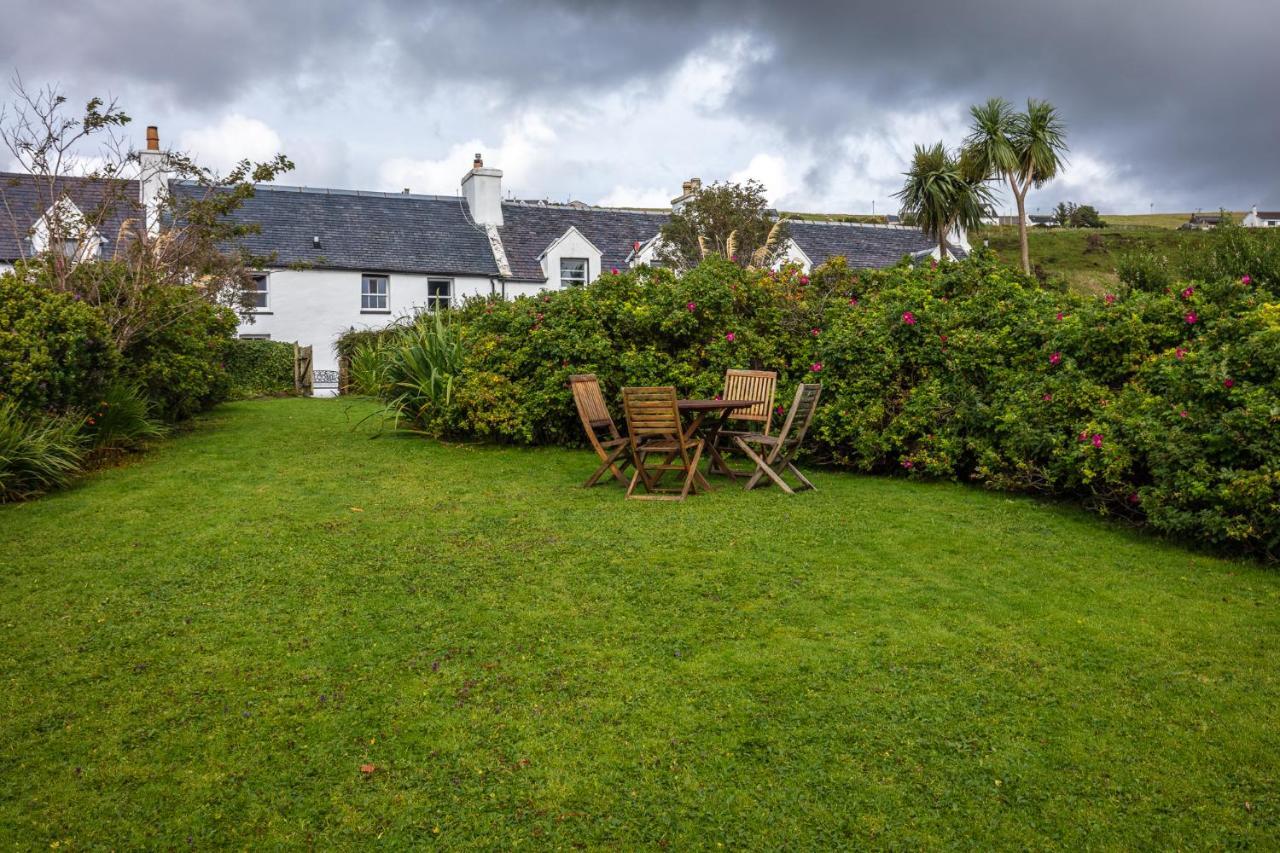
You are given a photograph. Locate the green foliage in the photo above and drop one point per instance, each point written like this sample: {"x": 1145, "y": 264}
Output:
{"x": 121, "y": 420}
{"x": 726, "y": 219}
{"x": 413, "y": 367}
{"x": 944, "y": 191}
{"x": 55, "y": 352}
{"x": 259, "y": 368}
{"x": 1085, "y": 216}
{"x": 177, "y": 357}
{"x": 964, "y": 371}
{"x": 37, "y": 453}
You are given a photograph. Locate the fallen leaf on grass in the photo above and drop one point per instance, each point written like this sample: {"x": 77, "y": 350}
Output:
{"x": 356, "y": 509}
{"x": 367, "y": 769}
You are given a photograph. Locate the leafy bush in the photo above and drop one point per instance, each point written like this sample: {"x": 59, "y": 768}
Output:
{"x": 37, "y": 453}
{"x": 122, "y": 420}
{"x": 55, "y": 352}
{"x": 259, "y": 368}
{"x": 178, "y": 360}
{"x": 413, "y": 368}
{"x": 1158, "y": 402}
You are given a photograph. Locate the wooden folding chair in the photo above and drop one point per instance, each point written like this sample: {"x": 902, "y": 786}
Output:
{"x": 758, "y": 385}
{"x": 653, "y": 427}
{"x": 611, "y": 447}
{"x": 783, "y": 447}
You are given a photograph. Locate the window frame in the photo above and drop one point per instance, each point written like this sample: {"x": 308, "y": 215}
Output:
{"x": 265, "y": 279}
{"x": 366, "y": 295}
{"x": 573, "y": 282}
{"x": 434, "y": 301}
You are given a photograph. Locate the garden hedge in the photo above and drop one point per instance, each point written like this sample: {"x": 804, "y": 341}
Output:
{"x": 259, "y": 368}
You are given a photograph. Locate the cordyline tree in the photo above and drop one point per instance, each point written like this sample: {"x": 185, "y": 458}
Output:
{"x": 1022, "y": 149}
{"x": 727, "y": 219}
{"x": 77, "y": 165}
{"x": 944, "y": 191}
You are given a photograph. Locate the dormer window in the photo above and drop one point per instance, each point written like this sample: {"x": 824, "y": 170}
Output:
{"x": 573, "y": 272}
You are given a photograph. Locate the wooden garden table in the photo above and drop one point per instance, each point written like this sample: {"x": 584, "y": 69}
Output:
{"x": 708, "y": 418}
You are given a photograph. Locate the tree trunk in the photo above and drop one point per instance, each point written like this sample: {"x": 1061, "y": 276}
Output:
{"x": 1021, "y": 199}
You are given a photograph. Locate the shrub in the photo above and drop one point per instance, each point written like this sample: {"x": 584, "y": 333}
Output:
{"x": 178, "y": 360}
{"x": 37, "y": 453}
{"x": 413, "y": 367}
{"x": 259, "y": 368}
{"x": 122, "y": 420}
{"x": 55, "y": 352}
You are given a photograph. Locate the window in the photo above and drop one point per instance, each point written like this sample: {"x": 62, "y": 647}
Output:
{"x": 255, "y": 337}
{"x": 439, "y": 293}
{"x": 259, "y": 292}
{"x": 373, "y": 294}
{"x": 573, "y": 272}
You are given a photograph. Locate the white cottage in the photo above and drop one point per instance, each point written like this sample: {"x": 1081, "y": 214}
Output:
{"x": 356, "y": 259}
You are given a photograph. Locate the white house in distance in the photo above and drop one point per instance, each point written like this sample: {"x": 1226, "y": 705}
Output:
{"x": 356, "y": 259}
{"x": 1263, "y": 219}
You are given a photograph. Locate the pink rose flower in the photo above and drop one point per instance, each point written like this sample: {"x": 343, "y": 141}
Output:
{"x": 1188, "y": 292}
{"x": 816, "y": 366}
{"x": 908, "y": 318}
{"x": 1056, "y": 358}
{"x": 853, "y": 301}
{"x": 815, "y": 332}
{"x": 1229, "y": 383}
{"x": 615, "y": 270}
{"x": 692, "y": 306}
{"x": 1110, "y": 298}
{"x": 1191, "y": 318}
{"x": 1097, "y": 439}
{"x": 1244, "y": 279}
{"x": 908, "y": 464}
{"x": 730, "y": 337}
{"x": 1060, "y": 315}
{"x": 1180, "y": 353}
{"x": 1183, "y": 414}
{"x": 1048, "y": 398}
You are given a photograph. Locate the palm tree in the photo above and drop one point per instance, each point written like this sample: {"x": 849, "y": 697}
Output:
{"x": 943, "y": 191}
{"x": 1025, "y": 149}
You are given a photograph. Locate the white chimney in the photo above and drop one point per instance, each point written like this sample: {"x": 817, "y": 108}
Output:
{"x": 153, "y": 181}
{"x": 482, "y": 188}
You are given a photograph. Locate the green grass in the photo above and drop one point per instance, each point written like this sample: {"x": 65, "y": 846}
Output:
{"x": 1155, "y": 220}
{"x": 1066, "y": 253}
{"x": 203, "y": 648}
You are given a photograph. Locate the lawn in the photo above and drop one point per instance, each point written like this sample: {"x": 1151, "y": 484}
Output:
{"x": 205, "y": 646}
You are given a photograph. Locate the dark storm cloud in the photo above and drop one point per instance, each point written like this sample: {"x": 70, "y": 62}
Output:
{"x": 1180, "y": 94}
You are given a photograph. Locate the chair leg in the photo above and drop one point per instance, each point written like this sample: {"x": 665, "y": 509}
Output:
{"x": 762, "y": 469}
{"x": 612, "y": 465}
{"x": 692, "y": 469}
{"x": 801, "y": 477}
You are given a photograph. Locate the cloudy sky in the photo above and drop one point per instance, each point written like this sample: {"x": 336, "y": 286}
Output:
{"x": 1171, "y": 103}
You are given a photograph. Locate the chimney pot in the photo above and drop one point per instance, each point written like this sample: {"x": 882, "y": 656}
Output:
{"x": 686, "y": 187}
{"x": 153, "y": 138}
{"x": 478, "y": 163}
{"x": 695, "y": 184}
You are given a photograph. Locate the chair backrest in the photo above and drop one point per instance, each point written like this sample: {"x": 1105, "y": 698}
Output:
{"x": 758, "y": 385}
{"x": 651, "y": 411}
{"x": 801, "y": 415}
{"x": 589, "y": 399}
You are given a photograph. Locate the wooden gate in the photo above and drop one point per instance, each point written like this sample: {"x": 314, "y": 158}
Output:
{"x": 302, "y": 374}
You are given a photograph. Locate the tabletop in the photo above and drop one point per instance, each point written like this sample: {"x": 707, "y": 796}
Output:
{"x": 713, "y": 405}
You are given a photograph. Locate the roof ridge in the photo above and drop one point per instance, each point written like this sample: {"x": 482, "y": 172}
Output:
{"x": 335, "y": 191}
{"x": 885, "y": 226}
{"x": 542, "y": 205}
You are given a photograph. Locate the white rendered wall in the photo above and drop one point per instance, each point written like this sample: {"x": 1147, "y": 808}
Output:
{"x": 316, "y": 306}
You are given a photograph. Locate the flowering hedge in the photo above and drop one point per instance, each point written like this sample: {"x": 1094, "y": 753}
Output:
{"x": 1157, "y": 402}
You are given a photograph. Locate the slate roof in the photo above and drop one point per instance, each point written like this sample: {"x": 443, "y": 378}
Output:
{"x": 528, "y": 228}
{"x": 863, "y": 246}
{"x": 24, "y": 200}
{"x": 365, "y": 231}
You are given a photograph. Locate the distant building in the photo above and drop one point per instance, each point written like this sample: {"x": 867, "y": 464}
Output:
{"x": 1261, "y": 218}
{"x": 1203, "y": 221}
